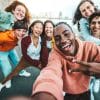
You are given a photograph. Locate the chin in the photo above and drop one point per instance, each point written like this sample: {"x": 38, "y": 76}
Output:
{"x": 19, "y": 18}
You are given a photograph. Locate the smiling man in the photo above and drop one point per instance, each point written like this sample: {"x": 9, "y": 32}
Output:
{"x": 69, "y": 53}
{"x": 65, "y": 40}
{"x": 94, "y": 22}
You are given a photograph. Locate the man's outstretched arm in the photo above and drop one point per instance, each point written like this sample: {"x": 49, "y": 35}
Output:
{"x": 43, "y": 96}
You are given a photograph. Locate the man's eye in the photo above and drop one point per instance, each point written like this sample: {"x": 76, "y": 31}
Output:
{"x": 57, "y": 38}
{"x": 99, "y": 22}
{"x": 93, "y": 23}
{"x": 66, "y": 35}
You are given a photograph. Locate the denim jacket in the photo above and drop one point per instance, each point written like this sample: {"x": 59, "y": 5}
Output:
{"x": 85, "y": 31}
{"x": 6, "y": 20}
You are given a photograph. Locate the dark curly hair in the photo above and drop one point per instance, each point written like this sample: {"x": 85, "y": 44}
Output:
{"x": 95, "y": 14}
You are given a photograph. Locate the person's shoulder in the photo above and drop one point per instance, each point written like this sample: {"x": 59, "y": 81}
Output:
{"x": 6, "y": 32}
{"x": 26, "y": 39}
{"x": 89, "y": 44}
{"x": 6, "y": 16}
{"x": 83, "y": 20}
{"x": 86, "y": 44}
{"x": 6, "y": 20}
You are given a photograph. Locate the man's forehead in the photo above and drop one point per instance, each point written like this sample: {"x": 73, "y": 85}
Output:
{"x": 96, "y": 18}
{"x": 61, "y": 28}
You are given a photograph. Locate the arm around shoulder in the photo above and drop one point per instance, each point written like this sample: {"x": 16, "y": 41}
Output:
{"x": 85, "y": 32}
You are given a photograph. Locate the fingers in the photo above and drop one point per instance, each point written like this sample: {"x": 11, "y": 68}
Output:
{"x": 81, "y": 62}
{"x": 69, "y": 58}
{"x": 86, "y": 72}
{"x": 75, "y": 70}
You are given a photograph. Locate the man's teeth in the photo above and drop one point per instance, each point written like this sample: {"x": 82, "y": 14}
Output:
{"x": 66, "y": 46}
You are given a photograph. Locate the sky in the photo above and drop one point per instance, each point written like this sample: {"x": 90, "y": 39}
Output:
{"x": 54, "y": 6}
{"x": 67, "y": 7}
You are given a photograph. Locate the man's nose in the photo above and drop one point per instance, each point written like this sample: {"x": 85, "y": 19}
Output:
{"x": 62, "y": 39}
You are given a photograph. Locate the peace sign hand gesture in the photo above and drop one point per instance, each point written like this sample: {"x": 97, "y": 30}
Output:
{"x": 88, "y": 68}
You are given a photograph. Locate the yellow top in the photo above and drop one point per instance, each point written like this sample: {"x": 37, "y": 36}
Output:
{"x": 53, "y": 42}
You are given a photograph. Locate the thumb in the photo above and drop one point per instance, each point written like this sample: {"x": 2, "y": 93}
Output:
{"x": 69, "y": 58}
{"x": 81, "y": 62}
{"x": 74, "y": 70}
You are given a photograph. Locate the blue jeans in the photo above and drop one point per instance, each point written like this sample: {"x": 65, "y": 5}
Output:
{"x": 95, "y": 88}
{"x": 81, "y": 96}
{"x": 5, "y": 64}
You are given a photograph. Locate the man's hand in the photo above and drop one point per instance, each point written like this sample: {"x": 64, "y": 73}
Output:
{"x": 88, "y": 68}
{"x": 69, "y": 58}
{"x": 84, "y": 67}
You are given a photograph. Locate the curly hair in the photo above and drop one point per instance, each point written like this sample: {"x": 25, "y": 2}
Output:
{"x": 13, "y": 6}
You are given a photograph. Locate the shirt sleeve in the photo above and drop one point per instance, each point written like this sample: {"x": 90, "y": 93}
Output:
{"x": 24, "y": 45}
{"x": 6, "y": 20}
{"x": 85, "y": 32}
{"x": 4, "y": 37}
{"x": 50, "y": 78}
{"x": 95, "y": 54}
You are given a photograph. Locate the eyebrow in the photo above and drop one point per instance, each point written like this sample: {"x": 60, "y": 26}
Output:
{"x": 95, "y": 22}
{"x": 65, "y": 31}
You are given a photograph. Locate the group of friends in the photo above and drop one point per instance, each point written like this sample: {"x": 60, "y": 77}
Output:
{"x": 69, "y": 65}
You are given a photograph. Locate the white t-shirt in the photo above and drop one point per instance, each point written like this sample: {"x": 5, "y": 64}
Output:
{"x": 34, "y": 52}
{"x": 49, "y": 44}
